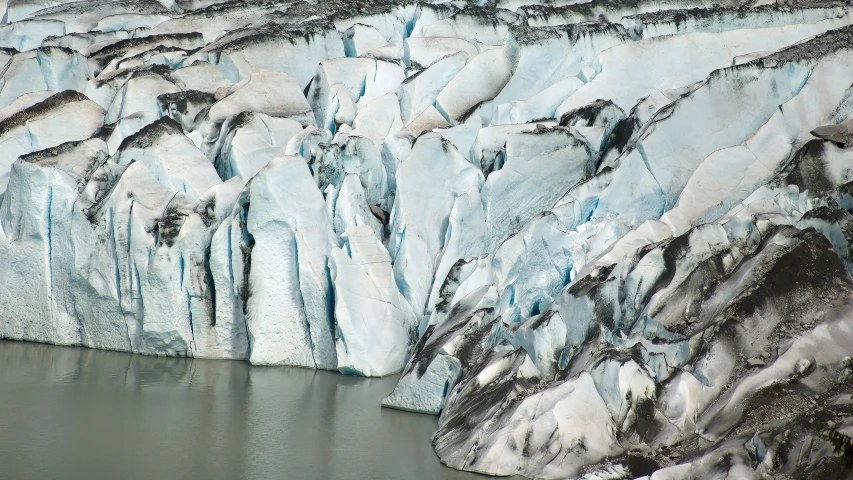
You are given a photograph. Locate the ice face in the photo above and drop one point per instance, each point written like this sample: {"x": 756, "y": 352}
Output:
{"x": 251, "y": 141}
{"x": 620, "y": 61}
{"x": 48, "y": 68}
{"x": 64, "y": 117}
{"x": 464, "y": 92}
{"x": 86, "y": 18}
{"x": 272, "y": 93}
{"x": 299, "y": 49}
{"x": 117, "y": 55}
{"x": 29, "y": 34}
{"x": 361, "y": 39}
{"x": 603, "y": 239}
{"x": 288, "y": 306}
{"x": 428, "y": 182}
{"x": 342, "y": 84}
{"x": 532, "y": 158}
{"x": 418, "y": 92}
{"x": 374, "y": 324}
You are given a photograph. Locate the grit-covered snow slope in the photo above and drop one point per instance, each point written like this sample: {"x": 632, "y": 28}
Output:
{"x": 600, "y": 239}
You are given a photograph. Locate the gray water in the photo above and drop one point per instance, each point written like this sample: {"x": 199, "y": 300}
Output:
{"x": 69, "y": 413}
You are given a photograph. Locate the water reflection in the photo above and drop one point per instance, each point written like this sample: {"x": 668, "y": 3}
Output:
{"x": 81, "y": 413}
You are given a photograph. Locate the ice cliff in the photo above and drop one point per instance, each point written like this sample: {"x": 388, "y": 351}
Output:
{"x": 600, "y": 239}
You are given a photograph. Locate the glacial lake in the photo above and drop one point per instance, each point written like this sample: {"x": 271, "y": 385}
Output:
{"x": 77, "y": 413}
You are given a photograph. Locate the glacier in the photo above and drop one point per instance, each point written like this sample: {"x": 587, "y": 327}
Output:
{"x": 596, "y": 238}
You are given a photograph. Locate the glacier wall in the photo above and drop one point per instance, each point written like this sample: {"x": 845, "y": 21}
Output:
{"x": 599, "y": 239}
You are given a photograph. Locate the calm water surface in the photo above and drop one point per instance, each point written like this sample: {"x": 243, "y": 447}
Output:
{"x": 69, "y": 413}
